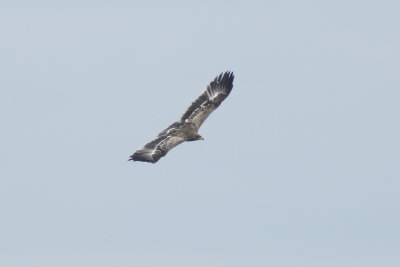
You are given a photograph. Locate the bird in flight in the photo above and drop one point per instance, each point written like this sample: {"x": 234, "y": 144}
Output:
{"x": 186, "y": 129}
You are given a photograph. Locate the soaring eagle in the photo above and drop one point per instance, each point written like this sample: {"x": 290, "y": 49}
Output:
{"x": 187, "y": 127}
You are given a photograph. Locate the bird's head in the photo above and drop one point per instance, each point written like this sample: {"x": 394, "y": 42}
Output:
{"x": 196, "y": 137}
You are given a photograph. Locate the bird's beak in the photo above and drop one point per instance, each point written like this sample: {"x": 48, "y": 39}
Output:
{"x": 201, "y": 138}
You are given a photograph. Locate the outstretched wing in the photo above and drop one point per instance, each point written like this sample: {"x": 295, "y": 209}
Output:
{"x": 209, "y": 100}
{"x": 165, "y": 141}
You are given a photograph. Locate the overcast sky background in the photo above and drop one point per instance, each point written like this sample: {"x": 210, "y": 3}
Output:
{"x": 299, "y": 166}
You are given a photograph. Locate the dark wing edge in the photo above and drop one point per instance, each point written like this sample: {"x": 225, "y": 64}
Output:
{"x": 209, "y": 100}
{"x": 159, "y": 147}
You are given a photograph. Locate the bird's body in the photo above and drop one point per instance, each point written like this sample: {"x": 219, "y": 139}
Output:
{"x": 186, "y": 129}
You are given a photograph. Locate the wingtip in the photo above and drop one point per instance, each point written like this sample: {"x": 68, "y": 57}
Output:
{"x": 230, "y": 74}
{"x": 142, "y": 155}
{"x": 225, "y": 79}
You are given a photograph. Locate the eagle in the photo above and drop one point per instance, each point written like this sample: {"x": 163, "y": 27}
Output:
{"x": 186, "y": 129}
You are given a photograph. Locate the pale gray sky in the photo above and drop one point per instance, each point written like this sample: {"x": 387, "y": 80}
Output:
{"x": 299, "y": 167}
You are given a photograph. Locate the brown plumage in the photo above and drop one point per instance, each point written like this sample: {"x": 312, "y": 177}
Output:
{"x": 186, "y": 129}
